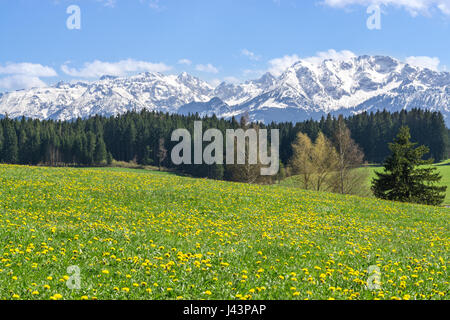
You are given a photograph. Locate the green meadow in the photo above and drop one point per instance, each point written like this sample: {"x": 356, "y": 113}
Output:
{"x": 90, "y": 234}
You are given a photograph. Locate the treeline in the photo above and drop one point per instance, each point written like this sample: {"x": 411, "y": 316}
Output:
{"x": 373, "y": 132}
{"x": 144, "y": 137}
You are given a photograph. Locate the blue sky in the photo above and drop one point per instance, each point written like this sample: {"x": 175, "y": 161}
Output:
{"x": 217, "y": 40}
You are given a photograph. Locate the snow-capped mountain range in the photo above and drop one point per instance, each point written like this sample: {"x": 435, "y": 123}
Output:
{"x": 305, "y": 90}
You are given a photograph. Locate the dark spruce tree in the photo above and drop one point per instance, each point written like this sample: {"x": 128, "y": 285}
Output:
{"x": 100, "y": 153}
{"x": 1, "y": 143}
{"x": 10, "y": 146}
{"x": 407, "y": 177}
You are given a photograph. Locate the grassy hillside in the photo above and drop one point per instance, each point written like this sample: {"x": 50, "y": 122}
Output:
{"x": 444, "y": 169}
{"x": 144, "y": 235}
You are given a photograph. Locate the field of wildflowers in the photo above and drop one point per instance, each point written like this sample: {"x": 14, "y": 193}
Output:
{"x": 146, "y": 235}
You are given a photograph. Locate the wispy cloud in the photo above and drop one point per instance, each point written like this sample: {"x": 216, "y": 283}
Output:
{"x": 415, "y": 7}
{"x": 154, "y": 4}
{"x": 108, "y": 3}
{"x": 250, "y": 55}
{"x": 424, "y": 62}
{"x": 208, "y": 68}
{"x": 121, "y": 68}
{"x": 330, "y": 54}
{"x": 279, "y": 65}
{"x": 186, "y": 62}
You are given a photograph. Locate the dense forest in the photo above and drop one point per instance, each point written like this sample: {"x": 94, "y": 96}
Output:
{"x": 144, "y": 137}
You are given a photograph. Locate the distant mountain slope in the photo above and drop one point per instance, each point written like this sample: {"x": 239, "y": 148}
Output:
{"x": 305, "y": 90}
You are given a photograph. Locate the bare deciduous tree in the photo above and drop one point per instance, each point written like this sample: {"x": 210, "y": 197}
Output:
{"x": 247, "y": 172}
{"x": 350, "y": 179}
{"x": 325, "y": 161}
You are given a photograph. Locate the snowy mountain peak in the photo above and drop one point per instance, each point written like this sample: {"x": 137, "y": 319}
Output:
{"x": 308, "y": 89}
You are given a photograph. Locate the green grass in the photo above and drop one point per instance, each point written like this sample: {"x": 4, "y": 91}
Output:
{"x": 146, "y": 235}
{"x": 132, "y": 170}
{"x": 443, "y": 167}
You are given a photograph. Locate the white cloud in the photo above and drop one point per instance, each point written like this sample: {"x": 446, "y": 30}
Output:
{"x": 186, "y": 62}
{"x": 121, "y": 68}
{"x": 21, "y": 81}
{"x": 24, "y": 75}
{"x": 424, "y": 62}
{"x": 250, "y": 55}
{"x": 29, "y": 69}
{"x": 331, "y": 54}
{"x": 279, "y": 65}
{"x": 415, "y": 7}
{"x": 209, "y": 68}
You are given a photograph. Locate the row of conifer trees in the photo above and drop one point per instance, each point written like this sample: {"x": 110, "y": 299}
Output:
{"x": 144, "y": 137}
